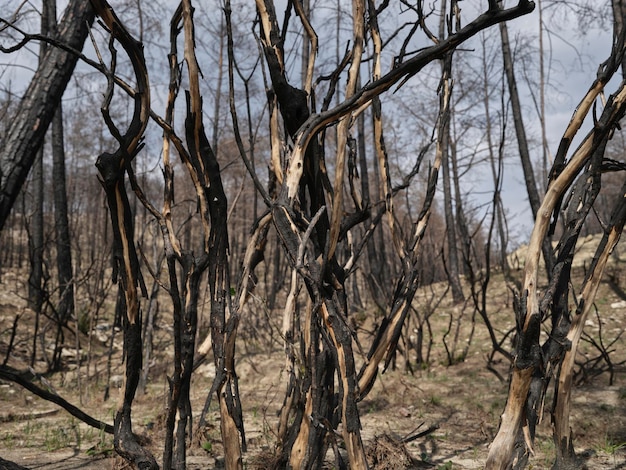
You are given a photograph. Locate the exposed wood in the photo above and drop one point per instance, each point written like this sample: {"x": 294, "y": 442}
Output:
{"x": 522, "y": 410}
{"x": 205, "y": 171}
{"x": 566, "y": 457}
{"x": 112, "y": 168}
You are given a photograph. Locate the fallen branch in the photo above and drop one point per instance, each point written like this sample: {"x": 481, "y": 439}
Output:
{"x": 20, "y": 378}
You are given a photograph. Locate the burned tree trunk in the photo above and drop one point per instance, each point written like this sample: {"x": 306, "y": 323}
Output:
{"x": 300, "y": 213}
{"x": 534, "y": 363}
{"x": 65, "y": 307}
{"x": 112, "y": 168}
{"x": 34, "y": 114}
{"x": 36, "y": 222}
{"x": 303, "y": 443}
{"x": 522, "y": 141}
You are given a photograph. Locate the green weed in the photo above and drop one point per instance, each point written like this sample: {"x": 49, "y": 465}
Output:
{"x": 8, "y": 440}
{"x": 104, "y": 446}
{"x": 609, "y": 446}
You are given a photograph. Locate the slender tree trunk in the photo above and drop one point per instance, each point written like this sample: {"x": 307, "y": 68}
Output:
{"x": 112, "y": 168}
{"x": 61, "y": 221}
{"x": 522, "y": 142}
{"x": 443, "y": 140}
{"x": 518, "y": 120}
{"x": 496, "y": 171}
{"x": 36, "y": 226}
{"x": 546, "y": 160}
{"x": 35, "y": 239}
{"x": 451, "y": 232}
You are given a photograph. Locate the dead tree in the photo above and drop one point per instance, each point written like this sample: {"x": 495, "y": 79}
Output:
{"x": 113, "y": 168}
{"x": 578, "y": 173}
{"x": 186, "y": 268}
{"x": 40, "y": 102}
{"x": 308, "y": 215}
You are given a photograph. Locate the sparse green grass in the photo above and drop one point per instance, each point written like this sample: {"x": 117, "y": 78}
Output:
{"x": 104, "y": 446}
{"x": 8, "y": 440}
{"x": 609, "y": 445}
{"x": 31, "y": 433}
{"x": 57, "y": 438}
{"x": 64, "y": 434}
{"x": 435, "y": 400}
{"x": 546, "y": 446}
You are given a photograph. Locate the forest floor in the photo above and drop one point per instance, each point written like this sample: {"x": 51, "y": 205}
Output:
{"x": 463, "y": 400}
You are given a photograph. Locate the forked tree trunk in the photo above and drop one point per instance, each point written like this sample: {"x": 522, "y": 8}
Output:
{"x": 563, "y": 436}
{"x": 528, "y": 382}
{"x": 302, "y": 197}
{"x": 112, "y": 168}
{"x": 443, "y": 139}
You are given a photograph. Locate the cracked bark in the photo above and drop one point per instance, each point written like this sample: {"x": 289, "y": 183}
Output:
{"x": 33, "y": 116}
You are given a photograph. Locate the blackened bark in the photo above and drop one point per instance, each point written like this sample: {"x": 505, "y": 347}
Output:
{"x": 524, "y": 399}
{"x": 24, "y": 379}
{"x": 36, "y": 110}
{"x": 522, "y": 142}
{"x": 8, "y": 465}
{"x": 61, "y": 221}
{"x": 35, "y": 237}
{"x": 203, "y": 166}
{"x": 562, "y": 338}
{"x": 112, "y": 168}
{"x": 294, "y": 109}
{"x": 187, "y": 331}
{"x": 520, "y": 131}
{"x": 124, "y": 440}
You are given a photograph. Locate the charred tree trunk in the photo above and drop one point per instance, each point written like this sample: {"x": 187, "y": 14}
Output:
{"x": 65, "y": 307}
{"x": 453, "y": 270}
{"x": 304, "y": 445}
{"x": 36, "y": 222}
{"x": 522, "y": 142}
{"x": 204, "y": 171}
{"x": 112, "y": 168}
{"x": 36, "y": 110}
{"x": 533, "y": 362}
{"x": 35, "y": 237}
{"x": 443, "y": 139}
{"x": 299, "y": 213}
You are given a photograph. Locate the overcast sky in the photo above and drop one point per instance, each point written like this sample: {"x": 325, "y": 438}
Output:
{"x": 571, "y": 64}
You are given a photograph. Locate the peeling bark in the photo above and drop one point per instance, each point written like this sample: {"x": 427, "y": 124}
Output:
{"x": 112, "y": 168}
{"x": 532, "y": 372}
